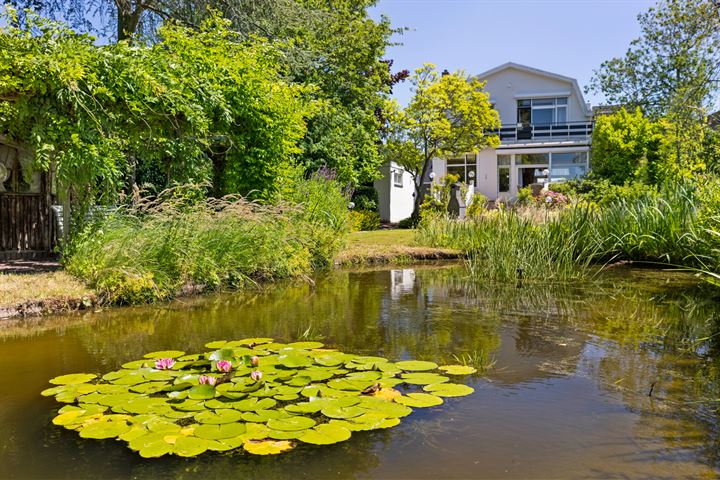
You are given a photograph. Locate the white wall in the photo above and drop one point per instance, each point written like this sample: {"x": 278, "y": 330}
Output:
{"x": 486, "y": 178}
{"x": 508, "y": 85}
{"x": 395, "y": 202}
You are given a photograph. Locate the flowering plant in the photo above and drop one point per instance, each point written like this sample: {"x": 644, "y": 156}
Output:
{"x": 164, "y": 363}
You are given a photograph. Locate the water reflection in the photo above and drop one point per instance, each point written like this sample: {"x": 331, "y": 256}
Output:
{"x": 567, "y": 397}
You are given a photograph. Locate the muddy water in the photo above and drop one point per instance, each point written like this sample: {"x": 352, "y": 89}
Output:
{"x": 610, "y": 378}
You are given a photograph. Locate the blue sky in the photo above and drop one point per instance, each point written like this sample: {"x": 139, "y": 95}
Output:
{"x": 569, "y": 37}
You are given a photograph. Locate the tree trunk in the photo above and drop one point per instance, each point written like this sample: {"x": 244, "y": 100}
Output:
{"x": 128, "y": 18}
{"x": 419, "y": 194}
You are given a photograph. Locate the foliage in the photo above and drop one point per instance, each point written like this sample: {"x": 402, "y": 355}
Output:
{"x": 627, "y": 147}
{"x": 364, "y": 220}
{"x": 448, "y": 114}
{"x": 96, "y": 112}
{"x": 675, "y": 63}
{"x": 525, "y": 196}
{"x": 601, "y": 192}
{"x": 677, "y": 226}
{"x": 365, "y": 198}
{"x": 154, "y": 249}
{"x": 477, "y": 205}
{"x": 439, "y": 196}
{"x": 256, "y": 393}
{"x": 409, "y": 222}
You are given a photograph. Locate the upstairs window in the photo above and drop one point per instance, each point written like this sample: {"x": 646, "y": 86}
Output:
{"x": 398, "y": 178}
{"x": 542, "y": 111}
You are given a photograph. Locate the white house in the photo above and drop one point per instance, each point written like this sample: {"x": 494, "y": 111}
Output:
{"x": 546, "y": 127}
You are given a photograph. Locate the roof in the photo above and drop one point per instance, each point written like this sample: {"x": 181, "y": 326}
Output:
{"x": 714, "y": 119}
{"x": 537, "y": 71}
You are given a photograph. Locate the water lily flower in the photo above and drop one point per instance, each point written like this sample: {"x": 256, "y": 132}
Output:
{"x": 207, "y": 380}
{"x": 255, "y": 361}
{"x": 223, "y": 366}
{"x": 256, "y": 375}
{"x": 164, "y": 363}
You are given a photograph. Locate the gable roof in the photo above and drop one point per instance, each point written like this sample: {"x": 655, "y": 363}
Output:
{"x": 543, "y": 73}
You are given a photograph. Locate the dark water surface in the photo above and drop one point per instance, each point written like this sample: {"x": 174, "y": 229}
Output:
{"x": 566, "y": 397}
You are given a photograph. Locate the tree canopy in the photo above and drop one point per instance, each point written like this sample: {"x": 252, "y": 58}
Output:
{"x": 193, "y": 98}
{"x": 448, "y": 114}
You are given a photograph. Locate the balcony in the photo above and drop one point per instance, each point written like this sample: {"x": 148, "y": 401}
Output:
{"x": 544, "y": 132}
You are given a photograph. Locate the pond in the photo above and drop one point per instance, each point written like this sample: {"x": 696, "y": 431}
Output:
{"x": 610, "y": 378}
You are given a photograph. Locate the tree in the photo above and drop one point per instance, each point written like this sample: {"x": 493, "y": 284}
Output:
{"x": 672, "y": 70}
{"x": 627, "y": 146}
{"x": 448, "y": 114}
{"x": 333, "y": 45}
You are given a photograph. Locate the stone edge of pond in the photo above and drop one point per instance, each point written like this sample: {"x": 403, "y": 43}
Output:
{"x": 47, "y": 306}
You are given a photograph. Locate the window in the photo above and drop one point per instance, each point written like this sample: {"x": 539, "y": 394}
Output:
{"x": 464, "y": 166}
{"x": 565, "y": 166}
{"x": 532, "y": 159}
{"x": 542, "y": 111}
{"x": 504, "y": 162}
{"x": 398, "y": 178}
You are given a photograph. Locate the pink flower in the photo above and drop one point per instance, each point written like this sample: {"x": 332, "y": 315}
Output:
{"x": 207, "y": 380}
{"x": 256, "y": 375}
{"x": 255, "y": 361}
{"x": 164, "y": 363}
{"x": 223, "y": 366}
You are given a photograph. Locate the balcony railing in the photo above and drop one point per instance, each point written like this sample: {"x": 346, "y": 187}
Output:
{"x": 555, "y": 131}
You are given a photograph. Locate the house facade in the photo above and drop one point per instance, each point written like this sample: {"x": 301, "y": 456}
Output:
{"x": 545, "y": 136}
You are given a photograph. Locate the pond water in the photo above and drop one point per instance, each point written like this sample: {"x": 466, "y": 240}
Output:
{"x": 567, "y": 394}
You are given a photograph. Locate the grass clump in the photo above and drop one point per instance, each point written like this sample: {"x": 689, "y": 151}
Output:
{"x": 157, "y": 248}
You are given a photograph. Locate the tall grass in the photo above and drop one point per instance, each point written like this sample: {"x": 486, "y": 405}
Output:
{"x": 565, "y": 244}
{"x": 158, "y": 248}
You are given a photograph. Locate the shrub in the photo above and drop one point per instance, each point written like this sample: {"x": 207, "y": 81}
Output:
{"x": 524, "y": 196}
{"x": 362, "y": 220}
{"x": 477, "y": 205}
{"x": 365, "y": 198}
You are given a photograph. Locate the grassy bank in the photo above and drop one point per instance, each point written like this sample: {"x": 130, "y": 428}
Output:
{"x": 389, "y": 246}
{"x": 164, "y": 247}
{"x": 675, "y": 228}
{"x": 32, "y": 294}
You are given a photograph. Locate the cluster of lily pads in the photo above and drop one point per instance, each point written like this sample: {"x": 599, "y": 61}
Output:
{"x": 254, "y": 393}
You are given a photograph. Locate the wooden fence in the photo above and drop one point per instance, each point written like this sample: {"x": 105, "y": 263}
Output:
{"x": 26, "y": 223}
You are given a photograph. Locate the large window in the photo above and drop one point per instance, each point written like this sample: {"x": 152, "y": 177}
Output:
{"x": 464, "y": 166}
{"x": 542, "y": 111}
{"x": 398, "y": 178}
{"x": 570, "y": 165}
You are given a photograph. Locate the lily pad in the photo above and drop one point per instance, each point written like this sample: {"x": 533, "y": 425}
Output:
{"x": 267, "y": 447}
{"x": 326, "y": 434}
{"x": 419, "y": 400}
{"x": 292, "y": 423}
{"x": 416, "y": 365}
{"x": 423, "y": 378}
{"x": 218, "y": 416}
{"x": 105, "y": 429}
{"x": 449, "y": 389}
{"x": 165, "y": 354}
{"x": 218, "y": 432}
{"x": 458, "y": 369}
{"x": 73, "y": 378}
{"x": 189, "y": 446}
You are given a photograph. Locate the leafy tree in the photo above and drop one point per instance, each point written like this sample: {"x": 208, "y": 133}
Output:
{"x": 628, "y": 147}
{"x": 448, "y": 114}
{"x": 333, "y": 45}
{"x": 672, "y": 70}
{"x": 196, "y": 99}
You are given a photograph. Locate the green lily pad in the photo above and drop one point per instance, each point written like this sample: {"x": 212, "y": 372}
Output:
{"x": 423, "y": 378}
{"x": 291, "y": 423}
{"x": 201, "y": 392}
{"x": 294, "y": 360}
{"x": 449, "y": 390}
{"x": 254, "y": 341}
{"x": 305, "y": 345}
{"x": 73, "y": 378}
{"x": 218, "y": 416}
{"x": 216, "y": 344}
{"x": 104, "y": 429}
{"x": 219, "y": 432}
{"x": 419, "y": 400}
{"x": 267, "y": 447}
{"x": 326, "y": 434}
{"x": 416, "y": 365}
{"x": 458, "y": 369}
{"x": 189, "y": 446}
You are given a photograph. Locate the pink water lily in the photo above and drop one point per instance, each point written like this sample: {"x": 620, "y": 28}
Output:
{"x": 256, "y": 375}
{"x": 207, "y": 380}
{"x": 164, "y": 363}
{"x": 223, "y": 366}
{"x": 255, "y": 361}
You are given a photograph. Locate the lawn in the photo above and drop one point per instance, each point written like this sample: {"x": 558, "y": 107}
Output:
{"x": 385, "y": 246}
{"x": 16, "y": 290}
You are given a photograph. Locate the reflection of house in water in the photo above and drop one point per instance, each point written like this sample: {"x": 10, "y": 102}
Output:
{"x": 402, "y": 281}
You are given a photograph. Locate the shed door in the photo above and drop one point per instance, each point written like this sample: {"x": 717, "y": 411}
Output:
{"x": 26, "y": 222}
